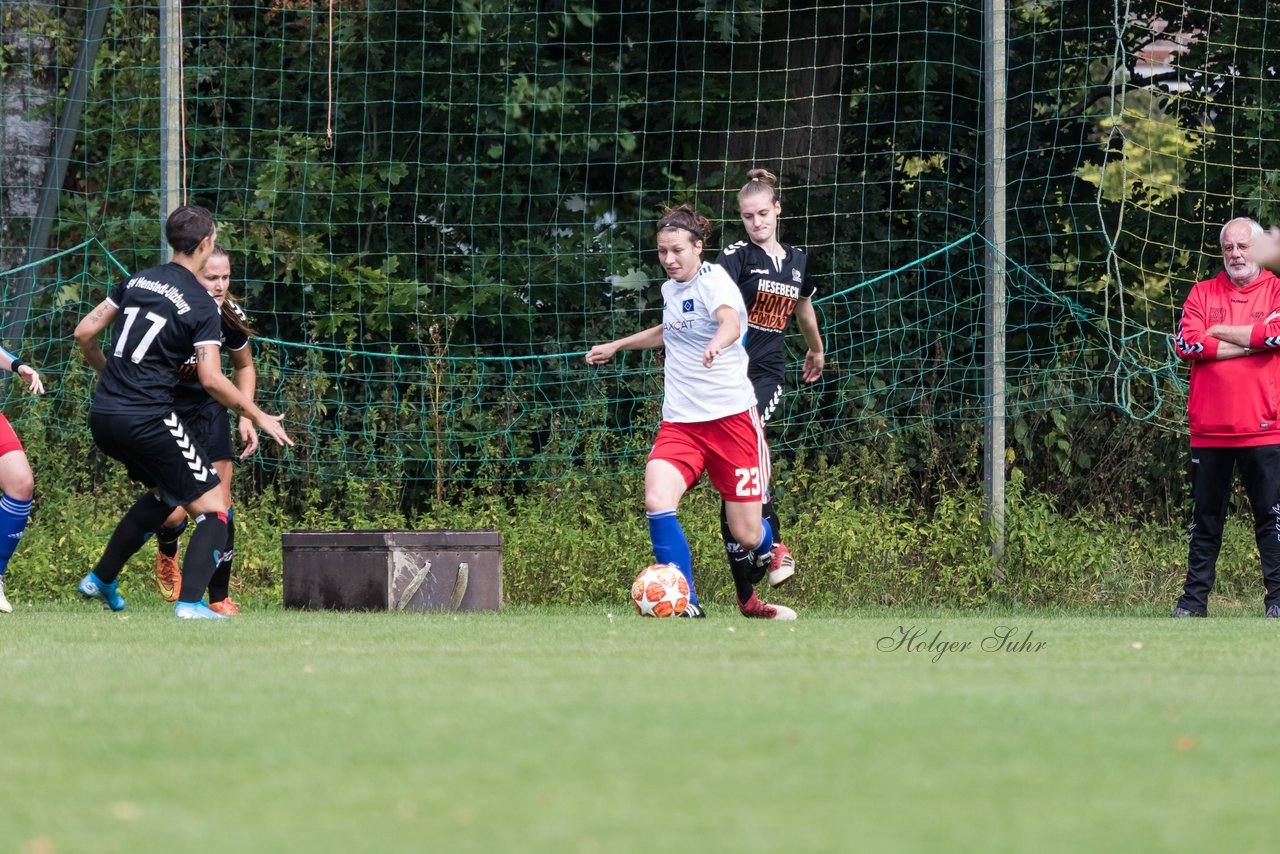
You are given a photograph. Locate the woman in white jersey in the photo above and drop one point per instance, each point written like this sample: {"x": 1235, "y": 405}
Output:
{"x": 709, "y": 418}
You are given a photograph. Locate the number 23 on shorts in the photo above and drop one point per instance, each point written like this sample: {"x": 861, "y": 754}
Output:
{"x": 748, "y": 481}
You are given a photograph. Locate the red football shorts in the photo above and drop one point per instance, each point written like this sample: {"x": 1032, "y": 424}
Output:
{"x": 732, "y": 450}
{"x": 8, "y": 438}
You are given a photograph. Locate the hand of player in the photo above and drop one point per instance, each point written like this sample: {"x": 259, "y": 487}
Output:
{"x": 601, "y": 353}
{"x": 813, "y": 365}
{"x": 709, "y": 355}
{"x": 248, "y": 438}
{"x": 29, "y": 373}
{"x": 270, "y": 425}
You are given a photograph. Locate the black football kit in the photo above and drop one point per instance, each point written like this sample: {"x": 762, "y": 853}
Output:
{"x": 163, "y": 314}
{"x": 771, "y": 287}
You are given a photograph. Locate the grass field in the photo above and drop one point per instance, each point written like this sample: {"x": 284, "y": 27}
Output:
{"x": 576, "y": 730}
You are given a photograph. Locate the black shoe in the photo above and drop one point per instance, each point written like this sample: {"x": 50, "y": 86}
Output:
{"x": 1273, "y": 612}
{"x": 694, "y": 611}
{"x": 1183, "y": 612}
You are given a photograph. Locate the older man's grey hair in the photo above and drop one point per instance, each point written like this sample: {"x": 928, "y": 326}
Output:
{"x": 1255, "y": 230}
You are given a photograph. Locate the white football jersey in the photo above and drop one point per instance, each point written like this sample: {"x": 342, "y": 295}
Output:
{"x": 692, "y": 392}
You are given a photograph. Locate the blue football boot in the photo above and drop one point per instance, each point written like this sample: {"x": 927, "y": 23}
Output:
{"x": 196, "y": 611}
{"x": 91, "y": 587}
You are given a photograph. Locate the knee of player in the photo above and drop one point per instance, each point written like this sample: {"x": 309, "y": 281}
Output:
{"x": 748, "y": 532}
{"x": 19, "y": 485}
{"x": 656, "y": 500}
{"x": 208, "y": 504}
{"x": 662, "y": 491}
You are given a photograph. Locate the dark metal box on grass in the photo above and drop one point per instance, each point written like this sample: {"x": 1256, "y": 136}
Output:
{"x": 438, "y": 570}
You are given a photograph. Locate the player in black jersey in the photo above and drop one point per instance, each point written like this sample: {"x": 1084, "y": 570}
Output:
{"x": 160, "y": 316}
{"x": 775, "y": 286}
{"x": 206, "y": 418}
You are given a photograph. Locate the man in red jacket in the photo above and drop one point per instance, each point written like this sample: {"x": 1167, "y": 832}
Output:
{"x": 1230, "y": 333}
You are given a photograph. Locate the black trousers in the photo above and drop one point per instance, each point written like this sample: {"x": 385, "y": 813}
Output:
{"x": 1211, "y": 471}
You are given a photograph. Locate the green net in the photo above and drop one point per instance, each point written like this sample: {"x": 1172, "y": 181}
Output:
{"x": 433, "y": 210}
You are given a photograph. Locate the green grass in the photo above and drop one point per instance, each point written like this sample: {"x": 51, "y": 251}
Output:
{"x": 570, "y": 730}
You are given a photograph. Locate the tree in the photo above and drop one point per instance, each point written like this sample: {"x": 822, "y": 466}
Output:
{"x": 28, "y": 83}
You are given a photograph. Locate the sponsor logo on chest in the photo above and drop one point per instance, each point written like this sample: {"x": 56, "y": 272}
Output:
{"x": 686, "y": 307}
{"x": 768, "y": 286}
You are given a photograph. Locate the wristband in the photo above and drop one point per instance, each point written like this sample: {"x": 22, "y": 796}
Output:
{"x": 17, "y": 363}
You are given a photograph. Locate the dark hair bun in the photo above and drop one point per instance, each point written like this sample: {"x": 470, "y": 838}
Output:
{"x": 683, "y": 216}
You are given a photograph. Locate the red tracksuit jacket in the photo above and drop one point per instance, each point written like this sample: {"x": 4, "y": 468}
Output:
{"x": 1234, "y": 403}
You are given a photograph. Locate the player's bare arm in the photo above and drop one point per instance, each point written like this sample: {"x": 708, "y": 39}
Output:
{"x": 88, "y": 331}
{"x": 221, "y": 389}
{"x": 729, "y": 331}
{"x": 28, "y": 373}
{"x": 245, "y": 378}
{"x": 649, "y": 339}
{"x": 815, "y": 359}
{"x": 14, "y": 364}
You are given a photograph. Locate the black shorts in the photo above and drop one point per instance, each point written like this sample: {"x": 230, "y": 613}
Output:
{"x": 211, "y": 429}
{"x": 158, "y": 452}
{"x": 768, "y": 396}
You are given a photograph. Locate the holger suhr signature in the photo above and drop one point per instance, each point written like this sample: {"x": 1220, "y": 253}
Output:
{"x": 1009, "y": 639}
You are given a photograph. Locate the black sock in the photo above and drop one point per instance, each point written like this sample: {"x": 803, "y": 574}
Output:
{"x": 167, "y": 539}
{"x": 203, "y": 550}
{"x": 744, "y": 571}
{"x": 220, "y": 584}
{"x": 139, "y": 521}
{"x": 731, "y": 547}
{"x": 743, "y": 568}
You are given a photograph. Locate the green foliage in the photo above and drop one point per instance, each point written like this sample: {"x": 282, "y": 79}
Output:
{"x": 859, "y": 536}
{"x": 483, "y": 210}
{"x": 36, "y": 38}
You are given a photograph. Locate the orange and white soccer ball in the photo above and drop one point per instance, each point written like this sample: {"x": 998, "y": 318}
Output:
{"x": 660, "y": 591}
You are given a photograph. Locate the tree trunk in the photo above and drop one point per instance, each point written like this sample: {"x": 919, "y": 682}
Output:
{"x": 799, "y": 134}
{"x": 27, "y": 118}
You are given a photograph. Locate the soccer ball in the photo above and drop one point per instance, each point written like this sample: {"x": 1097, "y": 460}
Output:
{"x": 660, "y": 591}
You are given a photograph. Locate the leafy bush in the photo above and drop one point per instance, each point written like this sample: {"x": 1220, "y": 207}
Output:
{"x": 581, "y": 540}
